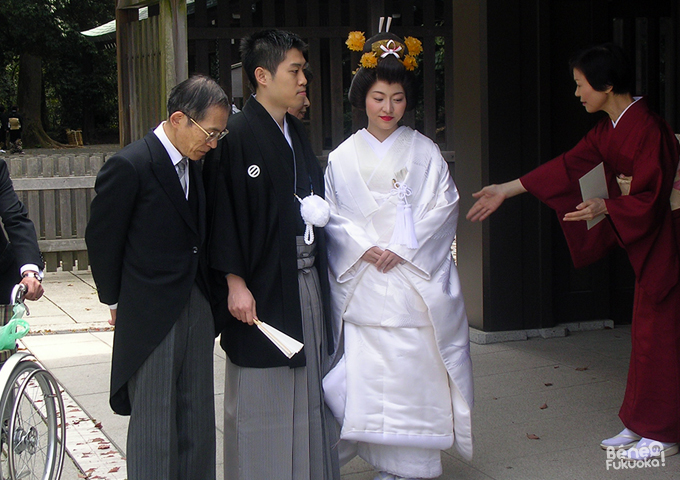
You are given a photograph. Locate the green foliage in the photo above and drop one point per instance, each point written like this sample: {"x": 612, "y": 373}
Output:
{"x": 79, "y": 79}
{"x": 84, "y": 79}
{"x": 9, "y": 75}
{"x": 31, "y": 26}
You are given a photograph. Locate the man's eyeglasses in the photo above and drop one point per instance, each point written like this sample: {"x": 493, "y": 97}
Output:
{"x": 210, "y": 136}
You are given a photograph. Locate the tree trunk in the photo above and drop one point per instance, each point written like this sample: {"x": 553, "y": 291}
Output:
{"x": 29, "y": 102}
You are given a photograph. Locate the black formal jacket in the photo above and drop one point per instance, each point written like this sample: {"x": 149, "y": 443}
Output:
{"x": 19, "y": 245}
{"x": 145, "y": 244}
{"x": 254, "y": 221}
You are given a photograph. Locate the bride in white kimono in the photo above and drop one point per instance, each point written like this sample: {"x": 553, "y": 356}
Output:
{"x": 402, "y": 390}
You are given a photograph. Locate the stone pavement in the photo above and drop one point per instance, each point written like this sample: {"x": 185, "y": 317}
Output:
{"x": 564, "y": 393}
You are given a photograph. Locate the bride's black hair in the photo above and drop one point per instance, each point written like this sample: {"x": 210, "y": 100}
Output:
{"x": 389, "y": 70}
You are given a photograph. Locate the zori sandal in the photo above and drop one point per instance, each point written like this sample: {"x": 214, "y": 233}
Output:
{"x": 623, "y": 440}
{"x": 647, "y": 449}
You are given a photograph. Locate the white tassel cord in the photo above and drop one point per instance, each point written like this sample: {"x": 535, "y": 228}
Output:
{"x": 309, "y": 234}
{"x": 404, "y": 229}
{"x": 315, "y": 212}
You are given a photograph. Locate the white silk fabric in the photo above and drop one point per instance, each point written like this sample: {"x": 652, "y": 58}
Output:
{"x": 406, "y": 376}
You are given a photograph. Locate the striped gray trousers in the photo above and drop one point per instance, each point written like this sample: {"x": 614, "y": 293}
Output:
{"x": 171, "y": 435}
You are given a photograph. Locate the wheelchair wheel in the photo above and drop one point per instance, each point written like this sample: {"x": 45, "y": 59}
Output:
{"x": 19, "y": 373}
{"x": 35, "y": 431}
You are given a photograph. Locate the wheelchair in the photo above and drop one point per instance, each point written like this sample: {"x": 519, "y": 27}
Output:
{"x": 33, "y": 428}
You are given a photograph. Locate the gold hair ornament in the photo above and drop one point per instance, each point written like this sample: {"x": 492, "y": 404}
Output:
{"x": 405, "y": 52}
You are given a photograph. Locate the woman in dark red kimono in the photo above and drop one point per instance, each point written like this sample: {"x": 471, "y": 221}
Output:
{"x": 640, "y": 152}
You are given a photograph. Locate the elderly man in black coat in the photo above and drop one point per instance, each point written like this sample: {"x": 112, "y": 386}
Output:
{"x": 146, "y": 240}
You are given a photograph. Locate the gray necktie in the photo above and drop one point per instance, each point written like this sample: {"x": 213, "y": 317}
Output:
{"x": 181, "y": 168}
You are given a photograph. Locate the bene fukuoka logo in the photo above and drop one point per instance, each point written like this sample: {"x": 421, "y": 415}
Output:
{"x": 649, "y": 456}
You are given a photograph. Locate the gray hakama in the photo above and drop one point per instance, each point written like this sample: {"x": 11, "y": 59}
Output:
{"x": 276, "y": 424}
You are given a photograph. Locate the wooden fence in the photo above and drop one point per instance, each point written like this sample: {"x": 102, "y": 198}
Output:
{"x": 57, "y": 190}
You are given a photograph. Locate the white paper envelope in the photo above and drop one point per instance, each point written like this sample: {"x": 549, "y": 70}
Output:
{"x": 594, "y": 185}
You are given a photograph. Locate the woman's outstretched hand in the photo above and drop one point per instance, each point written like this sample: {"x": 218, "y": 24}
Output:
{"x": 491, "y": 197}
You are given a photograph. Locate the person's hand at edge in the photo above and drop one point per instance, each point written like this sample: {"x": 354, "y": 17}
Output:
{"x": 34, "y": 289}
{"x": 240, "y": 300}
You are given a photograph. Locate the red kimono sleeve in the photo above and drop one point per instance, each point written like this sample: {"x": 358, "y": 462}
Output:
{"x": 643, "y": 218}
{"x": 642, "y": 146}
{"x": 556, "y": 183}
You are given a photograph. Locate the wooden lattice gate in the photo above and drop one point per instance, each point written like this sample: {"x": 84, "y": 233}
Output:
{"x": 215, "y": 28}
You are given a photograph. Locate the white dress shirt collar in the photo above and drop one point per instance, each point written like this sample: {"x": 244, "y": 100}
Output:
{"x": 174, "y": 154}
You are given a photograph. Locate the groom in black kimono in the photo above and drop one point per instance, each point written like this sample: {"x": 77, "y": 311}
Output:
{"x": 256, "y": 248}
